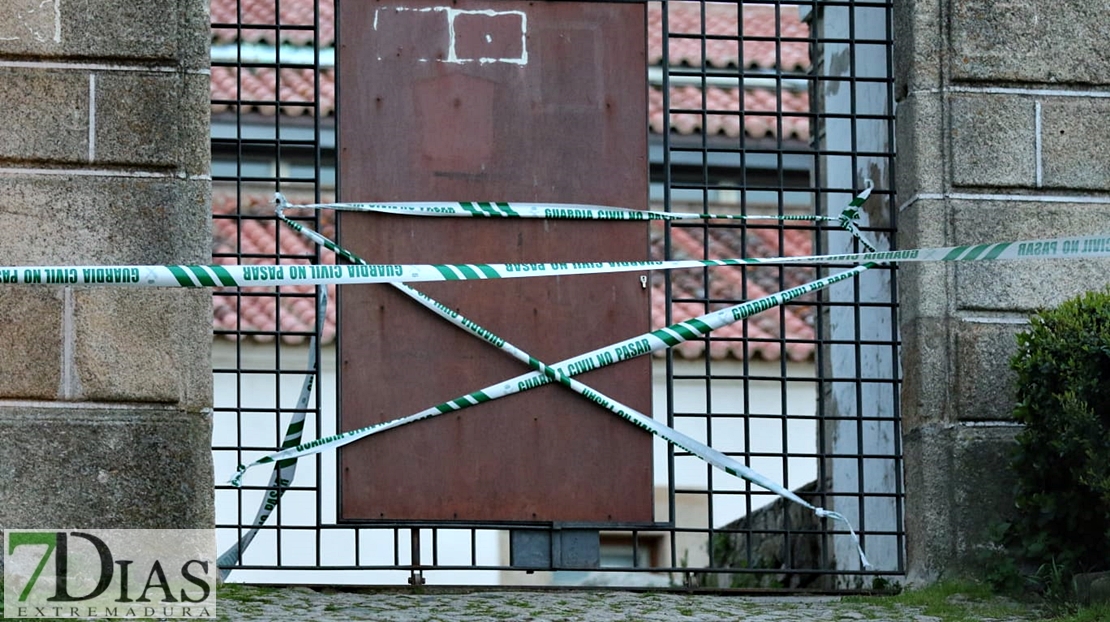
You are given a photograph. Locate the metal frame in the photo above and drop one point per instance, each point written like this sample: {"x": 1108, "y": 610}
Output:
{"x": 697, "y": 163}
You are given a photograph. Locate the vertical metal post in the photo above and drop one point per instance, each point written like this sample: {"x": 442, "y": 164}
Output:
{"x": 416, "y": 575}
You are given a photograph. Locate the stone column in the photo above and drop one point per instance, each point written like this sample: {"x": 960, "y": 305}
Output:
{"x": 1003, "y": 122}
{"x": 105, "y": 394}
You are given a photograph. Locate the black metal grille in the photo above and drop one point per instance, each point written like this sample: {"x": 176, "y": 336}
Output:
{"x": 806, "y": 393}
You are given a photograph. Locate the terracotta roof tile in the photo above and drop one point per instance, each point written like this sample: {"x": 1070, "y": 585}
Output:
{"x": 725, "y": 110}
{"x": 265, "y": 13}
{"x": 252, "y": 232}
{"x": 730, "y": 286}
{"x": 246, "y": 227}
{"x": 256, "y": 89}
{"x": 723, "y": 46}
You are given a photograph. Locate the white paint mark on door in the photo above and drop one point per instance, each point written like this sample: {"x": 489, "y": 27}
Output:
{"x": 451, "y": 14}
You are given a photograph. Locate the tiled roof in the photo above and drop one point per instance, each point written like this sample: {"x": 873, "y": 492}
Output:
{"x": 726, "y": 44}
{"x": 263, "y": 13}
{"x": 765, "y": 331}
{"x": 761, "y": 22}
{"x": 730, "y": 26}
{"x": 258, "y": 239}
{"x": 724, "y": 113}
{"x": 256, "y": 236}
{"x": 256, "y": 89}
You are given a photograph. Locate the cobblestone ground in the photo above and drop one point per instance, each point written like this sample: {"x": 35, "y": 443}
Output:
{"x": 250, "y": 604}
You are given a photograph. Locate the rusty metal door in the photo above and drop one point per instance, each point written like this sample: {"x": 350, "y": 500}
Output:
{"x": 493, "y": 101}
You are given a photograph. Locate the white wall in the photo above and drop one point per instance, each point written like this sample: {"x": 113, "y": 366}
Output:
{"x": 248, "y": 390}
{"x": 770, "y": 432}
{"x": 299, "y": 508}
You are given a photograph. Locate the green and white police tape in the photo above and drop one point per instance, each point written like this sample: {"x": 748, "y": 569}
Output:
{"x": 397, "y": 274}
{"x": 549, "y": 211}
{"x": 285, "y": 470}
{"x": 630, "y": 348}
{"x": 701, "y": 450}
{"x": 181, "y": 275}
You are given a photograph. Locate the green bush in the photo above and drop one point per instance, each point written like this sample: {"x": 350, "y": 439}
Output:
{"x": 1062, "y": 460}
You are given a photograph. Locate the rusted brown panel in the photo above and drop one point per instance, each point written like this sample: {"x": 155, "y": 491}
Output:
{"x": 556, "y": 112}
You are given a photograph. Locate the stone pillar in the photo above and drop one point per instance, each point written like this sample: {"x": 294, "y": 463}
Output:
{"x": 105, "y": 394}
{"x": 1002, "y": 122}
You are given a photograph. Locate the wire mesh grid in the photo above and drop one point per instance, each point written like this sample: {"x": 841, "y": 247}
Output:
{"x": 768, "y": 108}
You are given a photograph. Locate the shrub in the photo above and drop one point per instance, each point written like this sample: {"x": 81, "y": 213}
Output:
{"x": 1062, "y": 460}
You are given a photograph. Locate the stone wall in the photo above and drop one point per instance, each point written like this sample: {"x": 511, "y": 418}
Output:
{"x": 755, "y": 545}
{"x": 105, "y": 394}
{"x": 1002, "y": 120}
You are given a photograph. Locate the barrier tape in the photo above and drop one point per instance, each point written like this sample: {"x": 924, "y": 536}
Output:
{"x": 680, "y": 440}
{"x": 181, "y": 275}
{"x": 1085, "y": 246}
{"x": 630, "y": 348}
{"x": 287, "y": 466}
{"x": 285, "y": 470}
{"x": 550, "y": 211}
{"x": 846, "y": 220}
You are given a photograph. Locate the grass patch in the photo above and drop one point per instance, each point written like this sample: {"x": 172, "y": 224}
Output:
{"x": 952, "y": 601}
{"x": 243, "y": 593}
{"x": 1095, "y": 613}
{"x": 966, "y": 601}
{"x": 520, "y": 603}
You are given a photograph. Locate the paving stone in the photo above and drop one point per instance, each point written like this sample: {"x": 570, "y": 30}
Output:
{"x": 250, "y": 605}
